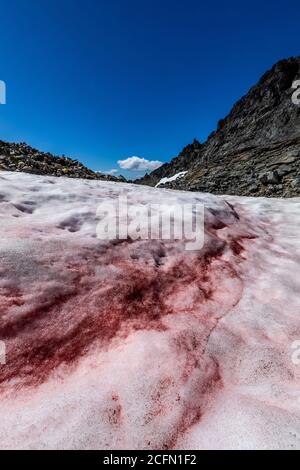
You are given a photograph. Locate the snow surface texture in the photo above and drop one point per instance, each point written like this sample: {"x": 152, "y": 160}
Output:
{"x": 181, "y": 174}
{"x": 141, "y": 344}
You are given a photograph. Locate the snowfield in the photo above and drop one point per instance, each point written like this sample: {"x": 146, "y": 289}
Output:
{"x": 142, "y": 344}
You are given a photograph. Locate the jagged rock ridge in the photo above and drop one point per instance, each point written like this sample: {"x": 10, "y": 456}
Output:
{"x": 22, "y": 157}
{"x": 255, "y": 149}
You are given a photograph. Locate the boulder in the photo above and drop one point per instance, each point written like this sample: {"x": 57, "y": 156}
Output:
{"x": 271, "y": 177}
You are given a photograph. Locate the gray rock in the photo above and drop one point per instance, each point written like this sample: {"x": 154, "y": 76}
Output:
{"x": 284, "y": 170}
{"x": 271, "y": 177}
{"x": 295, "y": 184}
{"x": 260, "y": 135}
{"x": 252, "y": 189}
{"x": 22, "y": 157}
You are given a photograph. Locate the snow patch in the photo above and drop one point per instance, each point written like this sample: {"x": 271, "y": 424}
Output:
{"x": 141, "y": 344}
{"x": 171, "y": 178}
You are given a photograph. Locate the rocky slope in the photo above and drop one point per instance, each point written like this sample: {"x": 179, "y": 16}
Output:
{"x": 22, "y": 157}
{"x": 255, "y": 149}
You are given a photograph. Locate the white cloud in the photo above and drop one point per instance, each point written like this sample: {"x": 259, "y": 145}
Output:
{"x": 139, "y": 164}
{"x": 108, "y": 172}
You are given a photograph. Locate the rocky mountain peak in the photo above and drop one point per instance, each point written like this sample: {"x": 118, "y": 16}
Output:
{"x": 245, "y": 154}
{"x": 264, "y": 115}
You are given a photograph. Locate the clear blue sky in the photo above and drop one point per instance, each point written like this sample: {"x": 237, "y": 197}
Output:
{"x": 104, "y": 80}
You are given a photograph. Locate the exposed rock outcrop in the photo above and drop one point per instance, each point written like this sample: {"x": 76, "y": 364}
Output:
{"x": 255, "y": 149}
{"x": 22, "y": 157}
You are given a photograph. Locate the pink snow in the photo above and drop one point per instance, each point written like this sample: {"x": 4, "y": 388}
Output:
{"x": 142, "y": 344}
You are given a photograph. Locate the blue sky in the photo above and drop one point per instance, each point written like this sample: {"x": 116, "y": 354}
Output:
{"x": 102, "y": 81}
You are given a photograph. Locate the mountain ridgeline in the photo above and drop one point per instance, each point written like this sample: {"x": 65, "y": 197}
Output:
{"x": 23, "y": 158}
{"x": 255, "y": 150}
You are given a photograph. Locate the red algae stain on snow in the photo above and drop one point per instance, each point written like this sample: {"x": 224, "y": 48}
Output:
{"x": 85, "y": 297}
{"x": 106, "y": 294}
{"x": 76, "y": 311}
{"x": 196, "y": 405}
{"x": 113, "y": 413}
